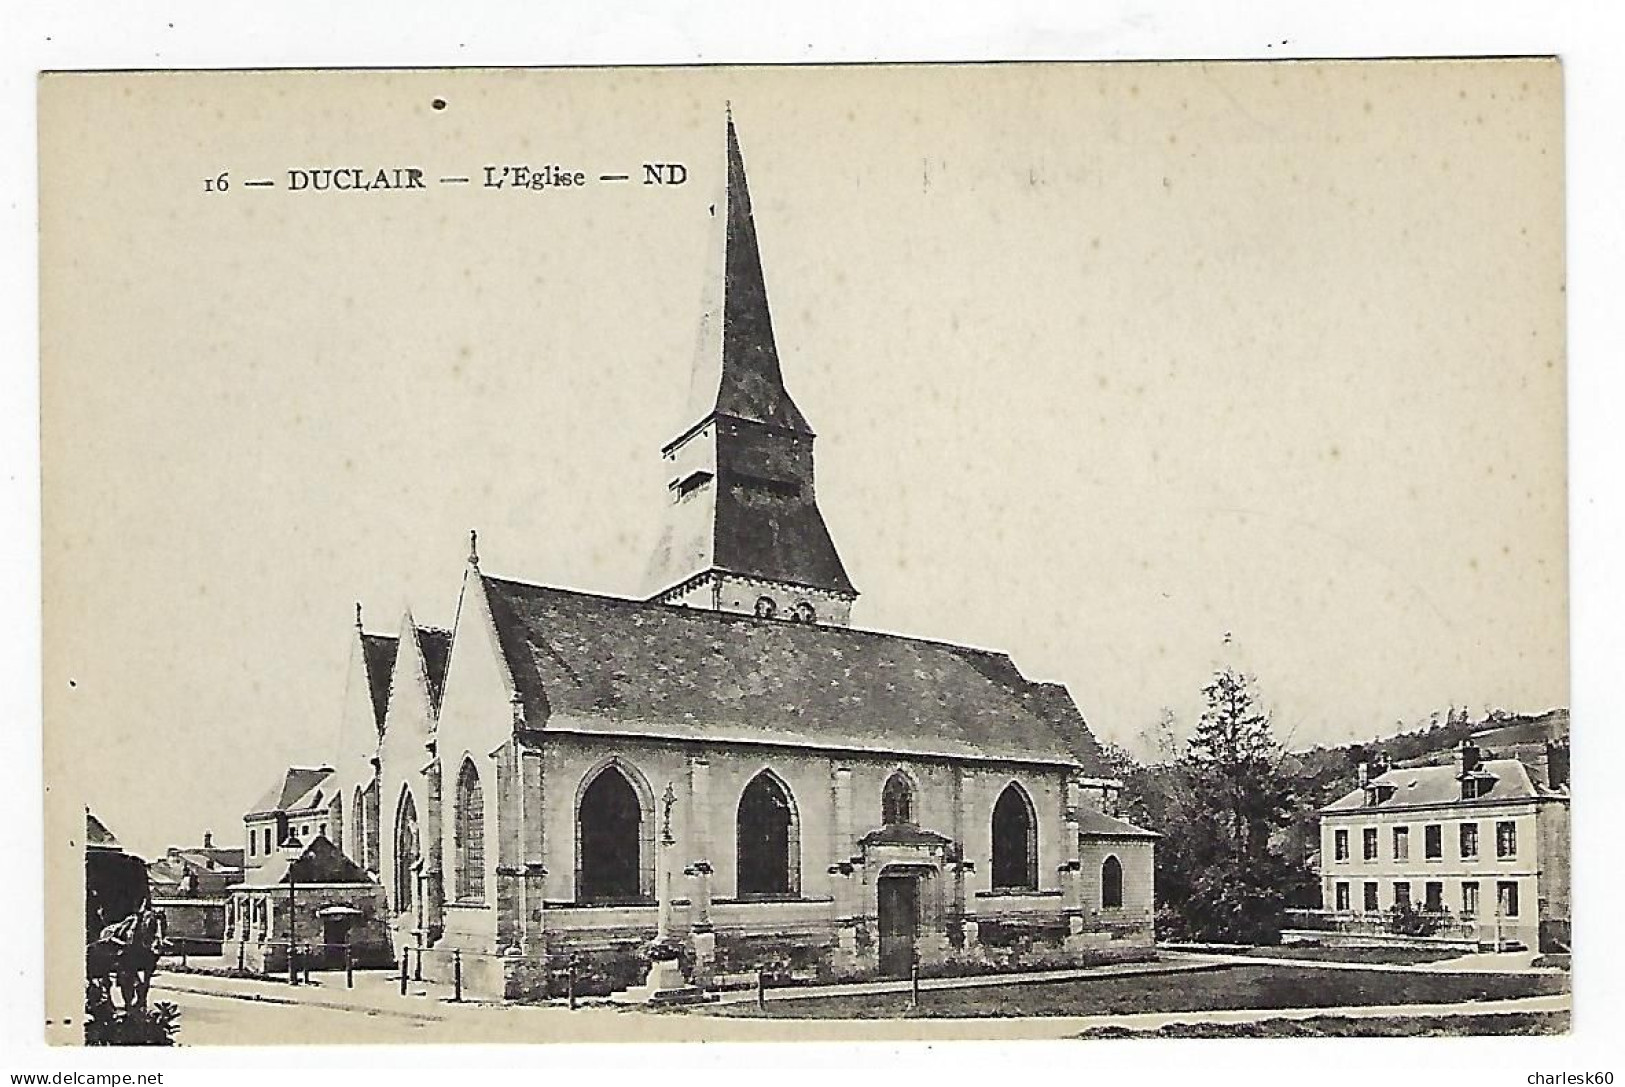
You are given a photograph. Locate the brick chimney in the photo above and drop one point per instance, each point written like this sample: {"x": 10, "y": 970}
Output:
{"x": 1469, "y": 757}
{"x": 208, "y": 840}
{"x": 1557, "y": 764}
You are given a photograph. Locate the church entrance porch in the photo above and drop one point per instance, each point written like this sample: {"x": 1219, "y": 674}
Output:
{"x": 893, "y": 909}
{"x": 899, "y": 905}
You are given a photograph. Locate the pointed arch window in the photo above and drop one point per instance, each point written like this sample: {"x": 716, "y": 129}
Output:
{"x": 335, "y": 820}
{"x": 614, "y": 841}
{"x": 769, "y": 840}
{"x": 1111, "y": 883}
{"x": 897, "y": 800}
{"x": 356, "y": 847}
{"x": 407, "y": 853}
{"x": 1015, "y": 841}
{"x": 372, "y": 819}
{"x": 469, "y": 834}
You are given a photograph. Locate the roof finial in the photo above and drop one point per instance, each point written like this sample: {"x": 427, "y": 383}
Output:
{"x": 358, "y": 615}
{"x": 728, "y": 108}
{"x": 473, "y": 547}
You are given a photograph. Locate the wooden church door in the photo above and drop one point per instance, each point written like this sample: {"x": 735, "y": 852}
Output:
{"x": 899, "y": 923}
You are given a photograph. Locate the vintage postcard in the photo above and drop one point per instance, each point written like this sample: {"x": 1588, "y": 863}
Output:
{"x": 913, "y": 552}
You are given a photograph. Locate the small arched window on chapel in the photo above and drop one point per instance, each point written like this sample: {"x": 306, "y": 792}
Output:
{"x": 896, "y": 801}
{"x": 803, "y": 613}
{"x": 765, "y": 607}
{"x": 1111, "y": 883}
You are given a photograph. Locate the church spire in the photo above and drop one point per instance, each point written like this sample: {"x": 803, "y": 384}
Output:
{"x": 736, "y": 368}
{"x": 744, "y": 531}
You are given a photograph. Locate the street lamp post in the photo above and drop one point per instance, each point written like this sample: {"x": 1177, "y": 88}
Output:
{"x": 292, "y": 846}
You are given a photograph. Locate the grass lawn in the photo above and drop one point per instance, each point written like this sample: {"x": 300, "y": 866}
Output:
{"x": 1239, "y": 986}
{"x": 1334, "y": 1026}
{"x": 1387, "y": 956}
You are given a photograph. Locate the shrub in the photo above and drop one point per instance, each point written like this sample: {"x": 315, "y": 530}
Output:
{"x": 107, "y": 1025}
{"x": 1407, "y": 920}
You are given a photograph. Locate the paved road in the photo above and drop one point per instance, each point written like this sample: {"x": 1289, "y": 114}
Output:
{"x": 217, "y": 1011}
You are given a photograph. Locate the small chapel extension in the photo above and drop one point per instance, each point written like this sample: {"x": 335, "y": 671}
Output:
{"x": 723, "y": 760}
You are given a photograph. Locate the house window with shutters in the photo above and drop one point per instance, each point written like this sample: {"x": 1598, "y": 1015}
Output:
{"x": 1506, "y": 839}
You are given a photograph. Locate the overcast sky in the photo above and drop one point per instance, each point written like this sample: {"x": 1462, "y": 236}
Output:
{"x": 1104, "y": 363}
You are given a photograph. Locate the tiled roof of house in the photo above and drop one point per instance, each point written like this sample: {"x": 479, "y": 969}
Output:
{"x": 1434, "y": 786}
{"x": 295, "y": 790}
{"x": 613, "y": 666}
{"x": 378, "y": 655}
{"x": 319, "y": 862}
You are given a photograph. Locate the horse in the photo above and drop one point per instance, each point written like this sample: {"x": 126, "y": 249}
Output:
{"x": 127, "y": 952}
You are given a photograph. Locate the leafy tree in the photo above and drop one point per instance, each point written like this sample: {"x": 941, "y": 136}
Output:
{"x": 1221, "y": 871}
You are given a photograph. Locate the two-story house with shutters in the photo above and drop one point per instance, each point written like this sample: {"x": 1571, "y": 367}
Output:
{"x": 1481, "y": 845}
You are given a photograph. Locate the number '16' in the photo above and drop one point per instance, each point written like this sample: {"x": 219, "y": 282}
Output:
{"x": 217, "y": 184}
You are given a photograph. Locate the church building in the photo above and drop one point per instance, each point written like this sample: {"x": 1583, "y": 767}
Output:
{"x": 724, "y": 760}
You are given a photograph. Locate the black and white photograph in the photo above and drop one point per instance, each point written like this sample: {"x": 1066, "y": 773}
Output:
{"x": 898, "y": 552}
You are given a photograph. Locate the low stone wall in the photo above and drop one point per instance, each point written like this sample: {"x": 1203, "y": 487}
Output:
{"x": 1358, "y": 939}
{"x": 193, "y": 926}
{"x": 795, "y": 942}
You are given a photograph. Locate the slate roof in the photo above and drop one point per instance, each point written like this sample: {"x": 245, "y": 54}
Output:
{"x": 758, "y": 516}
{"x": 319, "y": 862}
{"x": 378, "y": 655}
{"x": 1435, "y": 786}
{"x": 606, "y": 665}
{"x": 736, "y": 372}
{"x": 291, "y": 792}
{"x": 903, "y": 834}
{"x": 1092, "y": 824}
{"x": 435, "y": 645}
{"x": 1050, "y": 701}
